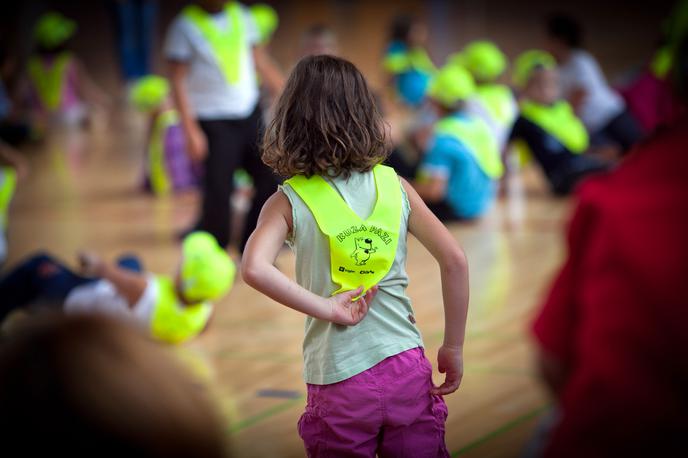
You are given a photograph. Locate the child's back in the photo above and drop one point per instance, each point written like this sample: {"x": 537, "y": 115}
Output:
{"x": 333, "y": 353}
{"x": 346, "y": 216}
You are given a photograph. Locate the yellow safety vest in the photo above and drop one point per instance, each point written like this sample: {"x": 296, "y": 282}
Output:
{"x": 478, "y": 138}
{"x": 49, "y": 82}
{"x": 159, "y": 178}
{"x": 413, "y": 59}
{"x": 559, "y": 121}
{"x": 361, "y": 251}
{"x": 499, "y": 102}
{"x": 173, "y": 322}
{"x": 227, "y": 44}
{"x": 8, "y": 183}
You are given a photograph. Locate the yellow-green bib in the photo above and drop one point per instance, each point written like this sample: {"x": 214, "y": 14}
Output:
{"x": 478, "y": 138}
{"x": 8, "y": 182}
{"x": 361, "y": 251}
{"x": 413, "y": 59}
{"x": 175, "y": 323}
{"x": 559, "y": 121}
{"x": 160, "y": 181}
{"x": 227, "y": 44}
{"x": 49, "y": 82}
{"x": 499, "y": 102}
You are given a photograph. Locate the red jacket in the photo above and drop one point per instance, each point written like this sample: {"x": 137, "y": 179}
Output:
{"x": 617, "y": 314}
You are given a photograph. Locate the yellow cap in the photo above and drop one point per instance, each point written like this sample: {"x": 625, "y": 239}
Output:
{"x": 451, "y": 84}
{"x": 207, "y": 272}
{"x": 529, "y": 61}
{"x": 266, "y": 19}
{"x": 53, "y": 29}
{"x": 149, "y": 92}
{"x": 483, "y": 59}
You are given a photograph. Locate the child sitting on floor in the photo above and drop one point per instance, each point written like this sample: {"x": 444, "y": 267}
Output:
{"x": 547, "y": 128}
{"x": 167, "y": 167}
{"x": 458, "y": 175}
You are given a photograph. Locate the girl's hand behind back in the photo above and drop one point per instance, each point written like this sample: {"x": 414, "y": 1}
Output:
{"x": 346, "y": 311}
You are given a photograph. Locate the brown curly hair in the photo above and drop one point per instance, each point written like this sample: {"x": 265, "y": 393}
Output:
{"x": 326, "y": 122}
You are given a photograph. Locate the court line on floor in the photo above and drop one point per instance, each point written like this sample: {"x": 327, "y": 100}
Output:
{"x": 506, "y": 427}
{"x": 264, "y": 415}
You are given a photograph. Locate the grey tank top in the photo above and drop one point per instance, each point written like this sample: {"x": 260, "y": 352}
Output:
{"x": 333, "y": 353}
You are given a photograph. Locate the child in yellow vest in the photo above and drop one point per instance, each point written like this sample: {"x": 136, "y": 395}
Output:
{"x": 406, "y": 60}
{"x": 493, "y": 102}
{"x": 171, "y": 309}
{"x": 167, "y": 166}
{"x": 12, "y": 167}
{"x": 346, "y": 217}
{"x": 216, "y": 50}
{"x": 547, "y": 127}
{"x": 59, "y": 84}
{"x": 459, "y": 173}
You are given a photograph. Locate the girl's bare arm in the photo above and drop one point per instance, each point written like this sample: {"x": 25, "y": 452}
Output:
{"x": 454, "y": 273}
{"x": 258, "y": 270}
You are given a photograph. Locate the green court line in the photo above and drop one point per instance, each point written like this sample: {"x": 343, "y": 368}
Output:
{"x": 501, "y": 430}
{"x": 264, "y": 415}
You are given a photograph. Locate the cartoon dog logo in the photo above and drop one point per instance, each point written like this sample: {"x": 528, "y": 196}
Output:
{"x": 364, "y": 248}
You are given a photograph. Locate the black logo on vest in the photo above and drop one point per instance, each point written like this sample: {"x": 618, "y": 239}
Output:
{"x": 364, "y": 248}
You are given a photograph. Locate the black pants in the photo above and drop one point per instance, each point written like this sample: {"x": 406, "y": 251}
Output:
{"x": 232, "y": 144}
{"x": 562, "y": 168}
{"x": 622, "y": 130}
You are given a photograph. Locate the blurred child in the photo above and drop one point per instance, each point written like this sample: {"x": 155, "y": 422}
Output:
{"x": 494, "y": 102}
{"x": 167, "y": 166}
{"x": 584, "y": 85}
{"x": 407, "y": 61}
{"x": 215, "y": 52}
{"x": 547, "y": 128}
{"x": 362, "y": 349}
{"x": 12, "y": 166}
{"x": 319, "y": 39}
{"x": 459, "y": 174}
{"x": 91, "y": 386}
{"x": 59, "y": 84}
{"x": 650, "y": 95}
{"x": 170, "y": 309}
{"x": 13, "y": 129}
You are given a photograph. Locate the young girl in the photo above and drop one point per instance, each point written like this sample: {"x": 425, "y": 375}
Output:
{"x": 346, "y": 217}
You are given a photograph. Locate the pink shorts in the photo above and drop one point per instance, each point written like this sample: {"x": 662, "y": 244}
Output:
{"x": 386, "y": 410}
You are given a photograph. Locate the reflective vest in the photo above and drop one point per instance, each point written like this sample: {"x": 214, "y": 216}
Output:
{"x": 159, "y": 178}
{"x": 227, "y": 44}
{"x": 173, "y": 322}
{"x": 559, "y": 121}
{"x": 8, "y": 182}
{"x": 49, "y": 81}
{"x": 474, "y": 133}
{"x": 400, "y": 61}
{"x": 499, "y": 102}
{"x": 361, "y": 251}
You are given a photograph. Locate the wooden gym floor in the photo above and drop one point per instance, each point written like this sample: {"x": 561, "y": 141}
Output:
{"x": 82, "y": 193}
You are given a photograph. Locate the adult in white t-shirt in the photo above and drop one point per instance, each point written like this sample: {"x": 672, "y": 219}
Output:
{"x": 213, "y": 52}
{"x": 601, "y": 109}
